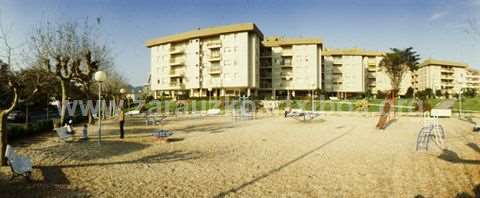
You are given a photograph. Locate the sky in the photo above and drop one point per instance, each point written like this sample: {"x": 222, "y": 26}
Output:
{"x": 441, "y": 29}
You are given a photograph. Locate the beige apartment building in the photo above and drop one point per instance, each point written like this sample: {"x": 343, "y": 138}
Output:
{"x": 473, "y": 79}
{"x": 234, "y": 60}
{"x": 214, "y": 61}
{"x": 290, "y": 66}
{"x": 446, "y": 76}
{"x": 349, "y": 72}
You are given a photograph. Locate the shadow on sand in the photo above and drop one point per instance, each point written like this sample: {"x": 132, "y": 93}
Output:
{"x": 281, "y": 167}
{"x": 451, "y": 156}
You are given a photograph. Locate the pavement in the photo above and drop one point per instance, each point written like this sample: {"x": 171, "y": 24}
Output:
{"x": 446, "y": 104}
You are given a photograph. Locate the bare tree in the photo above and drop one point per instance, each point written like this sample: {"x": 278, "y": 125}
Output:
{"x": 72, "y": 53}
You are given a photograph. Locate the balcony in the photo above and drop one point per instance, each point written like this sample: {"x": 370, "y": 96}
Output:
{"x": 214, "y": 44}
{"x": 449, "y": 77}
{"x": 337, "y": 62}
{"x": 448, "y": 71}
{"x": 336, "y": 72}
{"x": 175, "y": 85}
{"x": 177, "y": 62}
{"x": 214, "y": 58}
{"x": 336, "y": 79}
{"x": 266, "y": 76}
{"x": 371, "y": 76}
{"x": 285, "y": 85}
{"x": 372, "y": 63}
{"x": 215, "y": 70}
{"x": 175, "y": 74}
{"x": 177, "y": 50}
{"x": 287, "y": 52}
{"x": 371, "y": 68}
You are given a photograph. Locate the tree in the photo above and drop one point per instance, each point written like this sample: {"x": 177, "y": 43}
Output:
{"x": 72, "y": 53}
{"x": 438, "y": 93}
{"x": 15, "y": 87}
{"x": 396, "y": 63}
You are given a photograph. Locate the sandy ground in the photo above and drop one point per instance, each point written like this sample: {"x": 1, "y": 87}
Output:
{"x": 331, "y": 156}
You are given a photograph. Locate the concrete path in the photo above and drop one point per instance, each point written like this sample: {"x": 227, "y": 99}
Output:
{"x": 446, "y": 104}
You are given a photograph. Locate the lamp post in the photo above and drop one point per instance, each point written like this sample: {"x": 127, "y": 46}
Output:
{"x": 313, "y": 97}
{"x": 122, "y": 91}
{"x": 100, "y": 77}
{"x": 209, "y": 96}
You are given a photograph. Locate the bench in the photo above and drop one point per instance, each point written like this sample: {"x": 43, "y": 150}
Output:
{"x": 62, "y": 134}
{"x": 476, "y": 127}
{"x": 20, "y": 165}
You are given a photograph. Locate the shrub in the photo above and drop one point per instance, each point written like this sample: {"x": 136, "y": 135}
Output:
{"x": 361, "y": 105}
{"x": 16, "y": 131}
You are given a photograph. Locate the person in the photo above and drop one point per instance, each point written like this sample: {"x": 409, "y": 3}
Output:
{"x": 121, "y": 118}
{"x": 69, "y": 125}
{"x": 85, "y": 132}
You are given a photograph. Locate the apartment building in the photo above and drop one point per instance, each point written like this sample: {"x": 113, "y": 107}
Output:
{"x": 290, "y": 66}
{"x": 473, "y": 79}
{"x": 236, "y": 59}
{"x": 214, "y": 61}
{"x": 446, "y": 76}
{"x": 349, "y": 72}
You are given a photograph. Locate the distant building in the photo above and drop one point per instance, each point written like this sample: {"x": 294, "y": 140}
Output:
{"x": 234, "y": 60}
{"x": 473, "y": 79}
{"x": 446, "y": 76}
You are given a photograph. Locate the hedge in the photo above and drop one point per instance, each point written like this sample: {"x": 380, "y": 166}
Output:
{"x": 16, "y": 131}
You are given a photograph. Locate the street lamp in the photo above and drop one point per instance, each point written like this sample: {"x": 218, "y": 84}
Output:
{"x": 100, "y": 77}
{"x": 123, "y": 91}
{"x": 313, "y": 97}
{"x": 209, "y": 96}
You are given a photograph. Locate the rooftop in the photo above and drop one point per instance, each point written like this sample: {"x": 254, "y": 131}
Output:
{"x": 204, "y": 32}
{"x": 275, "y": 41}
{"x": 443, "y": 62}
{"x": 352, "y": 52}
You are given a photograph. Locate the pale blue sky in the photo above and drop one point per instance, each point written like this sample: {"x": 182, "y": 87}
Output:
{"x": 435, "y": 28}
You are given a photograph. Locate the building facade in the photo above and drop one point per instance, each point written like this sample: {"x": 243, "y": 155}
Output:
{"x": 213, "y": 61}
{"x": 290, "y": 66}
{"x": 446, "y": 76}
{"x": 473, "y": 79}
{"x": 236, "y": 60}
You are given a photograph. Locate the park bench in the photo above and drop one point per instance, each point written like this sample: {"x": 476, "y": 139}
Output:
{"x": 62, "y": 134}
{"x": 476, "y": 127}
{"x": 20, "y": 165}
{"x": 213, "y": 112}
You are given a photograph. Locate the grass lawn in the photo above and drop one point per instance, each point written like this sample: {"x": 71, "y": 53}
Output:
{"x": 472, "y": 104}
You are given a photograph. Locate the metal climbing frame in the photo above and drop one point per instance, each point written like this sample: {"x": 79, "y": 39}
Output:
{"x": 431, "y": 131}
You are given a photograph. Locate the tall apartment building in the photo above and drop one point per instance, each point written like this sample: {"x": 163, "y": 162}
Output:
{"x": 446, "y": 76}
{"x": 473, "y": 79}
{"x": 212, "y": 61}
{"x": 290, "y": 66}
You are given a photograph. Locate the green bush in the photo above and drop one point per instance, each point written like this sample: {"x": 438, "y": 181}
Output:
{"x": 16, "y": 131}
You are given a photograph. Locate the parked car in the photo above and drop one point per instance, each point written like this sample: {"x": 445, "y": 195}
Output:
{"x": 16, "y": 116}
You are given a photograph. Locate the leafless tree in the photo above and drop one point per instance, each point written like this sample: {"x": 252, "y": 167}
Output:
{"x": 72, "y": 53}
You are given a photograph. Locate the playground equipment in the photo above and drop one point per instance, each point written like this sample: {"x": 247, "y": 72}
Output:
{"x": 431, "y": 131}
{"x": 243, "y": 109}
{"x": 301, "y": 115}
{"x": 388, "y": 111}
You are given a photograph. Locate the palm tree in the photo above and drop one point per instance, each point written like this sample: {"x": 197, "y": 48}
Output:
{"x": 396, "y": 63}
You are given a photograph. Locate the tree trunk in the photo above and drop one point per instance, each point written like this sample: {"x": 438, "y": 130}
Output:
{"x": 3, "y": 137}
{"x": 62, "y": 103}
